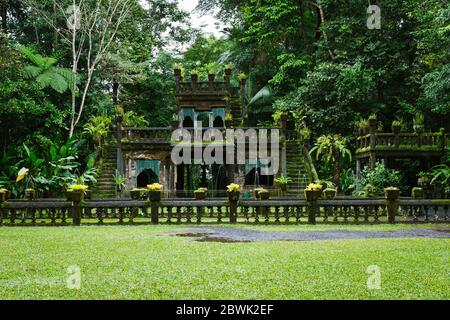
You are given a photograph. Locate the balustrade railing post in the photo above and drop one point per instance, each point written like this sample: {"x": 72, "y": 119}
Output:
{"x": 76, "y": 213}
{"x": 392, "y": 206}
{"x": 313, "y": 210}
{"x": 154, "y": 206}
{"x": 233, "y": 210}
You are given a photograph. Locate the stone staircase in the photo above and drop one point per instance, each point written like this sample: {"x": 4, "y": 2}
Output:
{"x": 105, "y": 181}
{"x": 296, "y": 168}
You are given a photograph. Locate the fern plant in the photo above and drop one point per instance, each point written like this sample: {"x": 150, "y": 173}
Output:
{"x": 44, "y": 71}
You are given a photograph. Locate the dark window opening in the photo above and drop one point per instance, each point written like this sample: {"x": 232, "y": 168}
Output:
{"x": 218, "y": 122}
{"x": 188, "y": 122}
{"x": 146, "y": 177}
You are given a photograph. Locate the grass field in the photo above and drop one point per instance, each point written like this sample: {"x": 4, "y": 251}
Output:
{"x": 137, "y": 262}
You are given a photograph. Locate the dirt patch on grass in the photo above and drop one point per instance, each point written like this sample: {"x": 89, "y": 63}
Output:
{"x": 237, "y": 235}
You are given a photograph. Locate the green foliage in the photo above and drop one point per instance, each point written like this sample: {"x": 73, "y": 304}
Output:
{"x": 283, "y": 180}
{"x": 332, "y": 148}
{"x": 132, "y": 120}
{"x": 46, "y": 74}
{"x": 347, "y": 181}
{"x": 97, "y": 128}
{"x": 380, "y": 177}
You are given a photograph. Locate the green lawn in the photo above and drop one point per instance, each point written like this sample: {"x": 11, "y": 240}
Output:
{"x": 136, "y": 262}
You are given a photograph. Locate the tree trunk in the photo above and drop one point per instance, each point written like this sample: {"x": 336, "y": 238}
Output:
{"x": 336, "y": 168}
{"x": 115, "y": 92}
{"x": 336, "y": 174}
{"x": 4, "y": 15}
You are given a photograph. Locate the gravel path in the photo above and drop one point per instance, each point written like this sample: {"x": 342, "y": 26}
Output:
{"x": 219, "y": 234}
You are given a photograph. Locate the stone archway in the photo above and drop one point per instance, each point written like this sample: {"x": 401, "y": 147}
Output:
{"x": 146, "y": 177}
{"x": 218, "y": 122}
{"x": 188, "y": 122}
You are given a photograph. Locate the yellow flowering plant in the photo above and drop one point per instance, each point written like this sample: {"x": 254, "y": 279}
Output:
{"x": 155, "y": 187}
{"x": 78, "y": 188}
{"x": 314, "y": 187}
{"x": 233, "y": 187}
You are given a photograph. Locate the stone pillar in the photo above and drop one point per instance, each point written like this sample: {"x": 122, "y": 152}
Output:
{"x": 373, "y": 143}
{"x": 392, "y": 205}
{"x": 76, "y": 213}
{"x": 358, "y": 174}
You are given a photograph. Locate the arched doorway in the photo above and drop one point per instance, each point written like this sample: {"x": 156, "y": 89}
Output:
{"x": 188, "y": 122}
{"x": 218, "y": 122}
{"x": 203, "y": 117}
{"x": 146, "y": 177}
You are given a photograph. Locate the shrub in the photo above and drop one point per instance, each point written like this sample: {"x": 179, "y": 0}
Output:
{"x": 370, "y": 191}
{"x": 380, "y": 177}
{"x": 282, "y": 180}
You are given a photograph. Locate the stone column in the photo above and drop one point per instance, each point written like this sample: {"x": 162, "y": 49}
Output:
{"x": 358, "y": 174}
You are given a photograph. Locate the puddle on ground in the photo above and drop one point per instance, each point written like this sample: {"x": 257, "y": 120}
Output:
{"x": 207, "y": 237}
{"x": 193, "y": 235}
{"x": 442, "y": 229}
{"x": 222, "y": 240}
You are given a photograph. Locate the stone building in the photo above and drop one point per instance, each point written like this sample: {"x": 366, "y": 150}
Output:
{"x": 143, "y": 155}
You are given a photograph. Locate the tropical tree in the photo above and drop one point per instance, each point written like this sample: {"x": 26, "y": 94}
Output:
{"x": 97, "y": 128}
{"x": 333, "y": 148}
{"x": 45, "y": 72}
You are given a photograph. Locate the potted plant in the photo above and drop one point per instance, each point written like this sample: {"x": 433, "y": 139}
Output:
{"x": 177, "y": 68}
{"x": 424, "y": 180}
{"x": 200, "y": 193}
{"x": 282, "y": 182}
{"x": 228, "y": 120}
{"x": 325, "y": 184}
{"x": 194, "y": 75}
{"x": 264, "y": 194}
{"x": 369, "y": 191}
{"x": 76, "y": 192}
{"x": 137, "y": 193}
{"x": 175, "y": 122}
{"x": 396, "y": 126}
{"x": 155, "y": 191}
{"x": 417, "y": 193}
{"x": 363, "y": 126}
{"x": 313, "y": 192}
{"x": 242, "y": 77}
{"x": 30, "y": 193}
{"x": 257, "y": 190}
{"x": 391, "y": 193}
{"x": 418, "y": 123}
{"x": 234, "y": 191}
{"x": 373, "y": 121}
{"x": 119, "y": 113}
{"x": 305, "y": 134}
{"x": 4, "y": 194}
{"x": 212, "y": 70}
{"x": 228, "y": 69}
{"x": 329, "y": 193}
